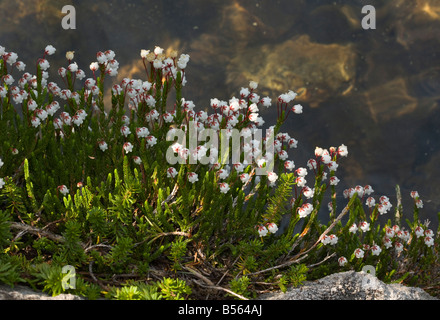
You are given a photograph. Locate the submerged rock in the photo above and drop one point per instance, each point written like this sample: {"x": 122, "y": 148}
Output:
{"x": 319, "y": 71}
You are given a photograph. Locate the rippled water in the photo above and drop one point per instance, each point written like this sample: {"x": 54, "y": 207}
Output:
{"x": 377, "y": 91}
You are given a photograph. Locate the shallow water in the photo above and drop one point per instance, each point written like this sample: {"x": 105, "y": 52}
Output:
{"x": 376, "y": 91}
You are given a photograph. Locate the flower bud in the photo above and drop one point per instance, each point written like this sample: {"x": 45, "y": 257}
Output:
{"x": 70, "y": 55}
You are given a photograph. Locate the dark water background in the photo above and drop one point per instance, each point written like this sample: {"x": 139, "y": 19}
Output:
{"x": 376, "y": 91}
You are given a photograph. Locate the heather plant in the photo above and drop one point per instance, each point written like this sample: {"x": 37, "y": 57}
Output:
{"x": 140, "y": 214}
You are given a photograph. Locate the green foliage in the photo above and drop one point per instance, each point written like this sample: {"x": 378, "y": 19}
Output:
{"x": 241, "y": 286}
{"x": 174, "y": 289}
{"x": 5, "y": 233}
{"x": 113, "y": 212}
{"x": 9, "y": 270}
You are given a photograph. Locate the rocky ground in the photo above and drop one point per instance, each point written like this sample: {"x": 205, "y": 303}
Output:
{"x": 348, "y": 285}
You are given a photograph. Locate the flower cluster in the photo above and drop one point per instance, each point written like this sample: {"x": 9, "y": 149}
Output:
{"x": 211, "y": 197}
{"x": 264, "y": 229}
{"x": 393, "y": 236}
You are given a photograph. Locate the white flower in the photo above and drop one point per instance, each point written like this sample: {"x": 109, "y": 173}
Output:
{"x": 63, "y": 189}
{"x": 272, "y": 176}
{"x": 171, "y": 172}
{"x": 398, "y": 246}
{"x": 1, "y": 163}
{"x": 370, "y": 202}
{"x": 429, "y": 241}
{"x": 414, "y": 194}
{"x": 312, "y": 164}
{"x": 334, "y": 181}
{"x": 266, "y": 101}
{"x": 11, "y": 58}
{"x": 35, "y": 122}
{"x": 342, "y": 150}
{"x": 142, "y": 132}
{"x": 297, "y": 108}
{"x": 18, "y": 98}
{"x": 262, "y": 230}
{"x": 419, "y": 232}
{"x": 325, "y": 157}
{"x": 289, "y": 165}
{"x": 151, "y": 140}
{"x": 389, "y": 232}
{"x": 101, "y": 57}
{"x": 353, "y": 228}
{"x": 237, "y": 166}
{"x": 359, "y": 253}
{"x": 368, "y": 190}
{"x": 364, "y": 226}
{"x": 428, "y": 232}
{"x": 253, "y": 117}
{"x": 253, "y": 85}
{"x": 157, "y": 64}
{"x": 376, "y": 250}
{"x": 305, "y": 210}
{"x": 8, "y": 79}
{"x": 125, "y": 130}
{"x": 224, "y": 187}
{"x": 332, "y": 166}
{"x": 49, "y": 50}
{"x": 419, "y": 203}
{"x": 283, "y": 155}
{"x": 20, "y": 65}
{"x": 42, "y": 114}
{"x": 102, "y": 145}
{"x": 52, "y": 108}
{"x": 144, "y": 53}
{"x": 3, "y": 92}
{"x": 44, "y": 64}
{"x": 223, "y": 173}
{"x": 109, "y": 54}
{"x": 73, "y": 67}
{"x": 302, "y": 172}
{"x": 94, "y": 66}
{"x": 77, "y": 120}
{"x": 308, "y": 192}
{"x": 404, "y": 235}
{"x": 387, "y": 242}
{"x": 183, "y": 61}
{"x": 137, "y": 160}
{"x": 244, "y": 177}
{"x": 128, "y": 147}
{"x": 342, "y": 261}
{"x": 57, "y": 123}
{"x": 244, "y": 92}
{"x": 158, "y": 50}
{"x": 272, "y": 227}
{"x": 193, "y": 177}
{"x": 330, "y": 239}
{"x": 300, "y": 181}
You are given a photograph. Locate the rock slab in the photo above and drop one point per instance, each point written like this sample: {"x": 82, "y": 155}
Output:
{"x": 25, "y": 293}
{"x": 350, "y": 285}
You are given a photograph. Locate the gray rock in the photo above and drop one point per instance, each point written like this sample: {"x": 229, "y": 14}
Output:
{"x": 25, "y": 293}
{"x": 350, "y": 285}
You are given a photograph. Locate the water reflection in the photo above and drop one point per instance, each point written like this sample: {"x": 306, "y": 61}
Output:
{"x": 377, "y": 91}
